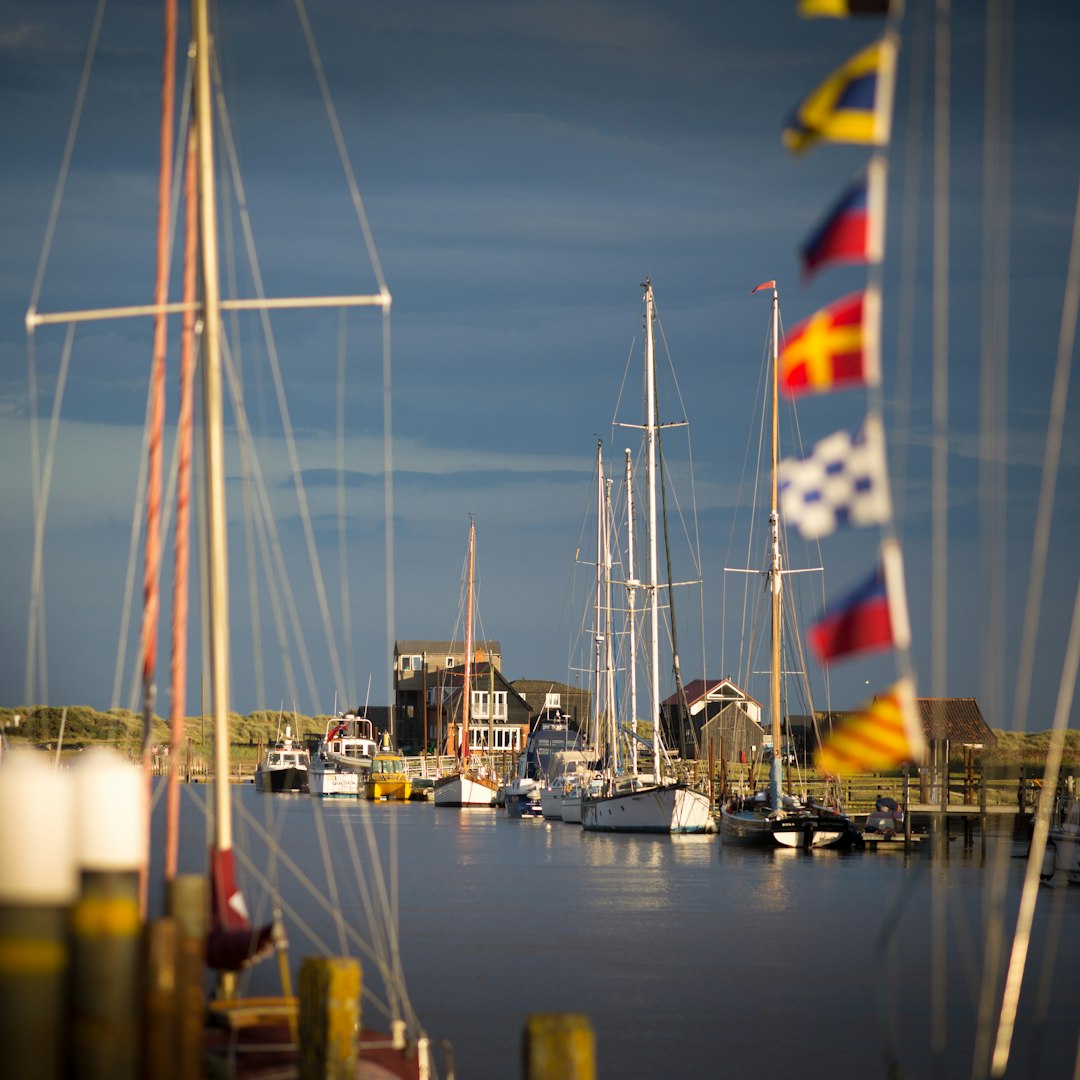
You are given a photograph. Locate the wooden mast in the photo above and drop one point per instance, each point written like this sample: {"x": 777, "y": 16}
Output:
{"x": 214, "y": 440}
{"x": 466, "y": 685}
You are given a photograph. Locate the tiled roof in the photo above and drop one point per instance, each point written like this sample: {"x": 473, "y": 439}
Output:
{"x": 962, "y": 717}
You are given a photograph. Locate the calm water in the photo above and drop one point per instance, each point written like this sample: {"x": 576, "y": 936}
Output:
{"x": 688, "y": 956}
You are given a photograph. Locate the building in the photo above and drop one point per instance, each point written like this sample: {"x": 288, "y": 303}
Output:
{"x": 428, "y": 677}
{"x": 546, "y": 697}
{"x": 705, "y": 701}
{"x": 731, "y": 734}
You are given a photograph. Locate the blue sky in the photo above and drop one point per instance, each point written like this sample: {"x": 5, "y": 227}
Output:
{"x": 524, "y": 167}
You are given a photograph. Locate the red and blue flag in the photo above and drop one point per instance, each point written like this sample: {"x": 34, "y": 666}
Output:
{"x": 871, "y": 616}
{"x": 853, "y": 229}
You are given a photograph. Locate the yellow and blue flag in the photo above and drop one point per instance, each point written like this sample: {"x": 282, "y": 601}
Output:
{"x": 844, "y": 9}
{"x": 853, "y": 105}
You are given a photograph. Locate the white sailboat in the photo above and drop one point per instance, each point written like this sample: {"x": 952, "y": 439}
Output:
{"x": 232, "y": 942}
{"x": 634, "y": 801}
{"x": 470, "y": 784}
{"x": 773, "y": 817}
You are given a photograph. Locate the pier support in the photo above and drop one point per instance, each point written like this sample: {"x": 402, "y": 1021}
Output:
{"x": 559, "y": 1046}
{"x": 329, "y": 1017}
{"x": 38, "y": 885}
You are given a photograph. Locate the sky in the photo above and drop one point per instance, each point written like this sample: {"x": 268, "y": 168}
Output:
{"x": 524, "y": 168}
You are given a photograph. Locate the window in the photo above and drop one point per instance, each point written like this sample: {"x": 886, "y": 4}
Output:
{"x": 450, "y": 661}
{"x": 410, "y": 664}
{"x": 507, "y": 738}
{"x": 478, "y": 738}
{"x": 480, "y": 705}
{"x": 500, "y": 705}
{"x": 552, "y": 701}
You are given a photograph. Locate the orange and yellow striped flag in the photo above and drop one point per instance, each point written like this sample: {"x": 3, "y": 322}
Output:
{"x": 881, "y": 735}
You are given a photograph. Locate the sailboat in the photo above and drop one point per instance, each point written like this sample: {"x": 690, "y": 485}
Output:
{"x": 232, "y": 942}
{"x": 772, "y": 816}
{"x": 470, "y": 784}
{"x": 634, "y": 801}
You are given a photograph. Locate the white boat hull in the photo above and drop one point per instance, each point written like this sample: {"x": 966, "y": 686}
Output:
{"x": 328, "y": 781}
{"x": 461, "y": 790}
{"x": 667, "y": 809}
{"x": 1061, "y": 860}
{"x": 551, "y": 803}
{"x": 571, "y": 809}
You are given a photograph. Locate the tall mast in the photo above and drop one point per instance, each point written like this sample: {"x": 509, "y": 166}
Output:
{"x": 775, "y": 568}
{"x": 651, "y": 584}
{"x": 466, "y": 687}
{"x": 630, "y": 600}
{"x": 598, "y": 662}
{"x": 214, "y": 429}
{"x": 609, "y": 653}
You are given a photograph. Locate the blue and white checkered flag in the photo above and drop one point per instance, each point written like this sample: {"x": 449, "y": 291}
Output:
{"x": 842, "y": 482}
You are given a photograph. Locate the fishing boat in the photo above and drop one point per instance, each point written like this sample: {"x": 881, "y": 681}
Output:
{"x": 285, "y": 766}
{"x": 471, "y": 783}
{"x": 389, "y": 778}
{"x": 342, "y": 761}
{"x": 774, "y": 816}
{"x": 635, "y": 801}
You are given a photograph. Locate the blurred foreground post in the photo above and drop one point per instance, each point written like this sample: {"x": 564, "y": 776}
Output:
{"x": 559, "y": 1046}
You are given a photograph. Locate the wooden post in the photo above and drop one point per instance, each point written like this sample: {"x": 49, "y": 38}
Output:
{"x": 38, "y": 885}
{"x": 907, "y": 807}
{"x": 110, "y": 846}
{"x": 159, "y": 999}
{"x": 329, "y": 1017}
{"x": 188, "y": 903}
{"x": 559, "y": 1046}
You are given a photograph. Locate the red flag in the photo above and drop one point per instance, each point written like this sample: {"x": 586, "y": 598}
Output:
{"x": 837, "y": 346}
{"x": 763, "y": 285}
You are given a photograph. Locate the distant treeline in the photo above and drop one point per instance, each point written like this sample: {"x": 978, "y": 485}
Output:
{"x": 40, "y": 725}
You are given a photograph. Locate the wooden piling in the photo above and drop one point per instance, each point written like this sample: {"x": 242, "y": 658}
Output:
{"x": 329, "y": 1017}
{"x": 106, "y": 946}
{"x": 105, "y": 988}
{"x": 559, "y": 1046}
{"x": 159, "y": 1000}
{"x": 188, "y": 902}
{"x": 38, "y": 885}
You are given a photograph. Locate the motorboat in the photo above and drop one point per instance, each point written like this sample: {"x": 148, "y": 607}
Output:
{"x": 285, "y": 766}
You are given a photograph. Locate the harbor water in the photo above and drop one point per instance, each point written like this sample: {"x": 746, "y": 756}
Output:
{"x": 690, "y": 958}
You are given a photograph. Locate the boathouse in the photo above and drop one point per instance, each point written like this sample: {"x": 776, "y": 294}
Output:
{"x": 706, "y": 699}
{"x": 953, "y": 727}
{"x": 731, "y": 735}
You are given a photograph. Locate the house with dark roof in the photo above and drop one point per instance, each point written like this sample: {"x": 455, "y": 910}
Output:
{"x": 420, "y": 666}
{"x": 705, "y": 701}
{"x": 548, "y": 698}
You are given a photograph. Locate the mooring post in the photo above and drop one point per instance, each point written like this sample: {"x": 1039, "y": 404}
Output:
{"x": 559, "y": 1046}
{"x": 38, "y": 885}
{"x": 159, "y": 1000}
{"x": 907, "y": 807}
{"x": 188, "y": 904}
{"x": 329, "y": 1017}
{"x": 110, "y": 848}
